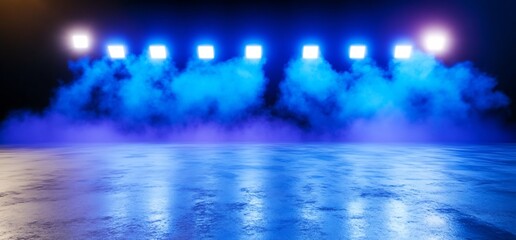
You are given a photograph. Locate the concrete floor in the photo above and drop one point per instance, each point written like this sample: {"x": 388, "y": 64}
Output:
{"x": 258, "y": 191}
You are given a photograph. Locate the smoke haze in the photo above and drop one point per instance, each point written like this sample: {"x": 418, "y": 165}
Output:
{"x": 138, "y": 99}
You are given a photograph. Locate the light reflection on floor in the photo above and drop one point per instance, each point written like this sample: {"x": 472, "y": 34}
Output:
{"x": 258, "y": 191}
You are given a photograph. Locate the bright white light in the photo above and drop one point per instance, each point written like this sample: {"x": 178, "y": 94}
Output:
{"x": 205, "y": 52}
{"x": 402, "y": 51}
{"x": 435, "y": 41}
{"x": 116, "y": 51}
{"x": 158, "y": 51}
{"x": 310, "y": 52}
{"x": 357, "y": 51}
{"x": 80, "y": 41}
{"x": 253, "y": 52}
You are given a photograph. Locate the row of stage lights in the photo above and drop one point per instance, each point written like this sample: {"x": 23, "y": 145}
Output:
{"x": 434, "y": 43}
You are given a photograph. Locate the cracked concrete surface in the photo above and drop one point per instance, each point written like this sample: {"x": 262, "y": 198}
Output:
{"x": 258, "y": 191}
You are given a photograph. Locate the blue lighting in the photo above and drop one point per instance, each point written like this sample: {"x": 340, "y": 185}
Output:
{"x": 116, "y": 51}
{"x": 310, "y": 52}
{"x": 357, "y": 52}
{"x": 158, "y": 52}
{"x": 205, "y": 52}
{"x": 435, "y": 42}
{"x": 253, "y": 52}
{"x": 402, "y": 51}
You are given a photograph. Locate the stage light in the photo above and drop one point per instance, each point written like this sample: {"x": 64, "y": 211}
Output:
{"x": 253, "y": 52}
{"x": 357, "y": 52}
{"x": 116, "y": 51}
{"x": 205, "y": 52}
{"x": 310, "y": 52}
{"x": 158, "y": 52}
{"x": 402, "y": 51}
{"x": 80, "y": 41}
{"x": 435, "y": 41}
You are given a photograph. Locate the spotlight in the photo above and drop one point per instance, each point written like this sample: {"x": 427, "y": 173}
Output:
{"x": 435, "y": 41}
{"x": 205, "y": 52}
{"x": 310, "y": 52}
{"x": 116, "y": 51}
{"x": 402, "y": 51}
{"x": 158, "y": 52}
{"x": 253, "y": 52}
{"x": 357, "y": 51}
{"x": 80, "y": 41}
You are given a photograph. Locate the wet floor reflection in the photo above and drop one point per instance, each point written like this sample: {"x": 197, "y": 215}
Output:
{"x": 258, "y": 191}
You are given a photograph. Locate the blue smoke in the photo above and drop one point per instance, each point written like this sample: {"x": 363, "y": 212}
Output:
{"x": 141, "y": 99}
{"x": 420, "y": 91}
{"x": 226, "y": 91}
{"x": 141, "y": 91}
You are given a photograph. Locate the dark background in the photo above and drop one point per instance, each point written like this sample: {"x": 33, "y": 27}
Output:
{"x": 34, "y": 54}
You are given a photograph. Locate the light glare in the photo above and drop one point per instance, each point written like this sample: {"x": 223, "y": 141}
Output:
{"x": 357, "y": 52}
{"x": 116, "y": 51}
{"x": 80, "y": 41}
{"x": 402, "y": 51}
{"x": 435, "y": 42}
{"x": 158, "y": 52}
{"x": 310, "y": 52}
{"x": 253, "y": 52}
{"x": 205, "y": 52}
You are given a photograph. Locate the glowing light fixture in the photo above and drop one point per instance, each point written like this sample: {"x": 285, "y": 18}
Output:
{"x": 402, "y": 51}
{"x": 158, "y": 52}
{"x": 80, "y": 41}
{"x": 310, "y": 52}
{"x": 116, "y": 51}
{"x": 205, "y": 52}
{"x": 357, "y": 52}
{"x": 253, "y": 52}
{"x": 435, "y": 41}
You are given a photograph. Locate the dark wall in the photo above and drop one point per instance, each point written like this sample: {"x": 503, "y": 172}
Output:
{"x": 34, "y": 53}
